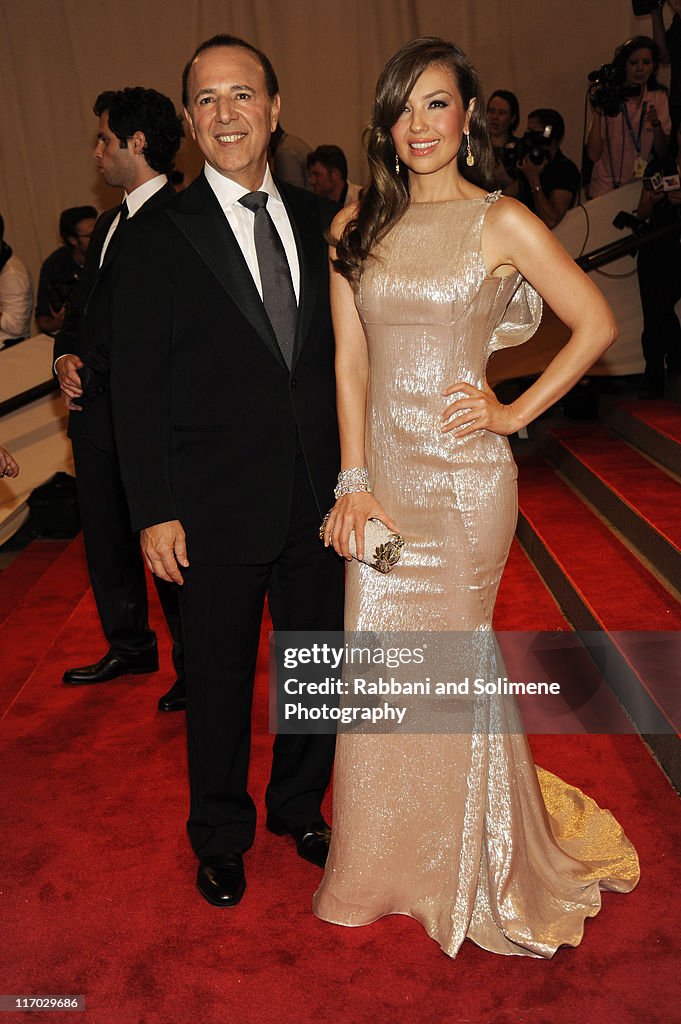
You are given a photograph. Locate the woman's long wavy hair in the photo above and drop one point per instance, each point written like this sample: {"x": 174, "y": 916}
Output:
{"x": 387, "y": 196}
{"x": 624, "y": 52}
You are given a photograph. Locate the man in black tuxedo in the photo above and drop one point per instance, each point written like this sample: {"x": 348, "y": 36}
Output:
{"x": 224, "y": 405}
{"x": 139, "y": 135}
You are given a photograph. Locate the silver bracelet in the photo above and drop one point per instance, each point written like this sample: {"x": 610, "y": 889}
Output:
{"x": 352, "y": 480}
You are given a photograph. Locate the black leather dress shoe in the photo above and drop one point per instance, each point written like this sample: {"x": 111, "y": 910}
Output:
{"x": 174, "y": 699}
{"x": 312, "y": 839}
{"x": 111, "y": 666}
{"x": 221, "y": 879}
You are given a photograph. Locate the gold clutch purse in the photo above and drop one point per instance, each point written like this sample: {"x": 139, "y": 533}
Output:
{"x": 382, "y": 547}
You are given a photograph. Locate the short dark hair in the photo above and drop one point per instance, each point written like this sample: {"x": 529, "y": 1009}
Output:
{"x": 71, "y": 218}
{"x": 551, "y": 117}
{"x": 508, "y": 97}
{"x": 144, "y": 110}
{"x": 331, "y": 157}
{"x": 271, "y": 81}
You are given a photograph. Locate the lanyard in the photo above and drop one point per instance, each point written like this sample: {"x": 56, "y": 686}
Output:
{"x": 636, "y": 140}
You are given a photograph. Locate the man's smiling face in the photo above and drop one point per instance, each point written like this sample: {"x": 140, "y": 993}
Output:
{"x": 230, "y": 114}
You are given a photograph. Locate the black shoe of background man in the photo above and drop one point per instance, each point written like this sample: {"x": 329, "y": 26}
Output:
{"x": 111, "y": 666}
{"x": 174, "y": 699}
{"x": 312, "y": 839}
{"x": 221, "y": 879}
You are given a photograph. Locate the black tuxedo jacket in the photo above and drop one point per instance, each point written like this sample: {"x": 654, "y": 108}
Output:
{"x": 87, "y": 327}
{"x": 209, "y": 419}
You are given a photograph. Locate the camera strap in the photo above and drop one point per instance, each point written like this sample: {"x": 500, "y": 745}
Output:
{"x": 635, "y": 139}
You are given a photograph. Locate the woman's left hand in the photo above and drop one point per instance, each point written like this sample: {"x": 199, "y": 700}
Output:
{"x": 478, "y": 410}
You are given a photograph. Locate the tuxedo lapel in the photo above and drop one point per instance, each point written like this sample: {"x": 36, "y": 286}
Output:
{"x": 97, "y": 273}
{"x": 200, "y": 218}
{"x": 94, "y": 272}
{"x": 306, "y": 232}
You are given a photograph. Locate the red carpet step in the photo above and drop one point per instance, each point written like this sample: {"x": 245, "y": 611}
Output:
{"x": 642, "y": 500}
{"x": 612, "y": 590}
{"x": 610, "y": 596}
{"x": 525, "y": 606}
{"x": 524, "y": 601}
{"x": 654, "y": 427}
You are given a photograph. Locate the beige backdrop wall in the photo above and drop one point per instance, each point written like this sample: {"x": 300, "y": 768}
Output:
{"x": 57, "y": 55}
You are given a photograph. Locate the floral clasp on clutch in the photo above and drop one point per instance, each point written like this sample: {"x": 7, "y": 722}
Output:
{"x": 382, "y": 547}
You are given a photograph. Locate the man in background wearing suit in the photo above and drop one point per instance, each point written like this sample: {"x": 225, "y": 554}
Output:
{"x": 224, "y": 405}
{"x": 139, "y": 135}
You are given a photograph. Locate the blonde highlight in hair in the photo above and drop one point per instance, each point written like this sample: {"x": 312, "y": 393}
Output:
{"x": 387, "y": 196}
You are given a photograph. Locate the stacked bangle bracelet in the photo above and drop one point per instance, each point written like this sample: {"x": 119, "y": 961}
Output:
{"x": 352, "y": 480}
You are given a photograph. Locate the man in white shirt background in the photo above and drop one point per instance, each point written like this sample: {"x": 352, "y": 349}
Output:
{"x": 16, "y": 295}
{"x": 327, "y": 168}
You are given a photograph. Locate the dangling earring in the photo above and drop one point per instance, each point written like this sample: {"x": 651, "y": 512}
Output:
{"x": 470, "y": 159}
{"x": 397, "y": 164}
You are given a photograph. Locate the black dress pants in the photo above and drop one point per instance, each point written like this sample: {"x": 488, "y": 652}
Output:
{"x": 222, "y": 607}
{"x": 114, "y": 559}
{"x": 659, "y": 279}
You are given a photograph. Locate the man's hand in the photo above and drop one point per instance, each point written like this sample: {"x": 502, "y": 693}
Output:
{"x": 531, "y": 171}
{"x": 67, "y": 368}
{"x": 163, "y": 547}
{"x": 8, "y": 466}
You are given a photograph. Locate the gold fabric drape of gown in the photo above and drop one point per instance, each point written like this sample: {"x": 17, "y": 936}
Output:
{"x": 460, "y": 832}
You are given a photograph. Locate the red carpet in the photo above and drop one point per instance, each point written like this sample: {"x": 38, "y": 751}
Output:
{"x": 621, "y": 592}
{"x": 664, "y": 417}
{"x": 19, "y": 577}
{"x": 98, "y": 896}
{"x": 645, "y": 488}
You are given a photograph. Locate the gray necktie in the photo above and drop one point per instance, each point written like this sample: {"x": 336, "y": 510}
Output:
{"x": 278, "y": 295}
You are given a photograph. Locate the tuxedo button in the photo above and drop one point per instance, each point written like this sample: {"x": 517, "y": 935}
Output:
{"x": 294, "y": 383}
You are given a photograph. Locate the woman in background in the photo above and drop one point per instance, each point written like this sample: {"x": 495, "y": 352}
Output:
{"x": 503, "y": 117}
{"x": 622, "y": 145}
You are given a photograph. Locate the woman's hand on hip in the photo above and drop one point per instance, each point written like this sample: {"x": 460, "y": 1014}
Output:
{"x": 476, "y": 410}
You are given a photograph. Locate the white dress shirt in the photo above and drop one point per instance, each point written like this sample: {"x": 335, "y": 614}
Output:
{"x": 135, "y": 201}
{"x": 16, "y": 300}
{"x": 242, "y": 222}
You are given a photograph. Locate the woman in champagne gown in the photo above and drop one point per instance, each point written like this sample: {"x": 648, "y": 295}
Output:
{"x": 459, "y": 831}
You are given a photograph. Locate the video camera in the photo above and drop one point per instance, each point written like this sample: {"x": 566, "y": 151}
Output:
{"x": 608, "y": 90}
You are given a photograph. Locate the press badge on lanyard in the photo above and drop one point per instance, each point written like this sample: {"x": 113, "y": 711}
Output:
{"x": 639, "y": 162}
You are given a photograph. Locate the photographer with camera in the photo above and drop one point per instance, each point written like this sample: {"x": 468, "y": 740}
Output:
{"x": 62, "y": 268}
{"x": 630, "y": 116}
{"x": 659, "y": 272}
{"x": 548, "y": 182}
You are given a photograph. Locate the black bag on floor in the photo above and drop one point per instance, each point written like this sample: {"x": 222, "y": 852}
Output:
{"x": 54, "y": 508}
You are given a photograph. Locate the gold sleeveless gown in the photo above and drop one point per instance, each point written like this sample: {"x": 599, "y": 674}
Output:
{"x": 460, "y": 832}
